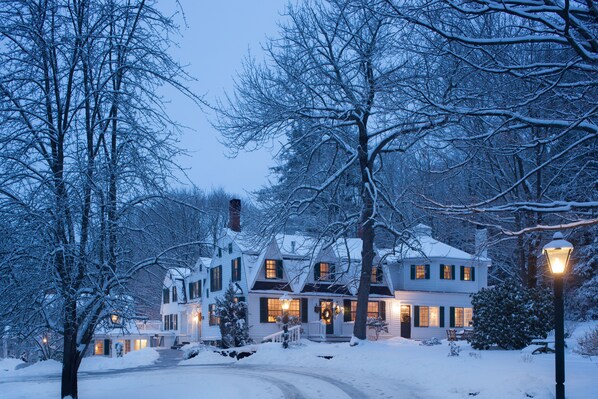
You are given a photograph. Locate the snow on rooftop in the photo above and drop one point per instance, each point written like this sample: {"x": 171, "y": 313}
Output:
{"x": 424, "y": 246}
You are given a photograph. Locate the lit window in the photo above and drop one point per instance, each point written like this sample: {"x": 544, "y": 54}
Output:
{"x": 273, "y": 271}
{"x": 324, "y": 272}
{"x": 373, "y": 310}
{"x": 424, "y": 319}
{"x": 434, "y": 317}
{"x": 467, "y": 273}
{"x": 447, "y": 272}
{"x": 376, "y": 275}
{"x": 467, "y": 317}
{"x": 140, "y": 344}
{"x": 213, "y": 320}
{"x": 275, "y": 309}
{"x": 429, "y": 316}
{"x": 463, "y": 317}
{"x": 235, "y": 266}
{"x": 420, "y": 272}
{"x": 127, "y": 346}
{"x": 99, "y": 347}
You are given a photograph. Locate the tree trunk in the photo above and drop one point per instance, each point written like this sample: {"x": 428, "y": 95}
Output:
{"x": 71, "y": 357}
{"x": 367, "y": 225}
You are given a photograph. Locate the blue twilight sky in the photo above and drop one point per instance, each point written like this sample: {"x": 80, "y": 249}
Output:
{"x": 218, "y": 35}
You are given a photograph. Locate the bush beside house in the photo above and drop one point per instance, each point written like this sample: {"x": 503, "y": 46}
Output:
{"x": 510, "y": 315}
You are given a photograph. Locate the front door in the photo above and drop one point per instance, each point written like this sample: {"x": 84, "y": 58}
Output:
{"x": 327, "y": 314}
{"x": 406, "y": 321}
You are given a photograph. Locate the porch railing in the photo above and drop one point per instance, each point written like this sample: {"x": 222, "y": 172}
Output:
{"x": 294, "y": 335}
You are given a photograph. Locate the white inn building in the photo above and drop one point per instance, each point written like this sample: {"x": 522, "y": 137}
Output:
{"x": 420, "y": 291}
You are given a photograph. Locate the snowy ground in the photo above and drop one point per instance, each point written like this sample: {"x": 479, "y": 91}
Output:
{"x": 396, "y": 368}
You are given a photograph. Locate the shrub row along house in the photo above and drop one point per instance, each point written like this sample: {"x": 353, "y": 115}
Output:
{"x": 419, "y": 290}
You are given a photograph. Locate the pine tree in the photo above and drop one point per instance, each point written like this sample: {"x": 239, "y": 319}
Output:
{"x": 510, "y": 315}
{"x": 232, "y": 312}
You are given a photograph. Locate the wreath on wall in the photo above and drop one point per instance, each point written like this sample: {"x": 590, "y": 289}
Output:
{"x": 327, "y": 315}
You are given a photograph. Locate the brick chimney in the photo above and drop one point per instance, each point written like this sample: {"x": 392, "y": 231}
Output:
{"x": 234, "y": 215}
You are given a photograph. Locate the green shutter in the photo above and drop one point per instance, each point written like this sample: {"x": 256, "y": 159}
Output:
{"x": 107, "y": 347}
{"x": 232, "y": 270}
{"x": 239, "y": 269}
{"x": 442, "y": 272}
{"x": 199, "y": 289}
{"x": 317, "y": 271}
{"x": 382, "y": 310}
{"x": 472, "y": 273}
{"x": 452, "y": 272}
{"x": 452, "y": 316}
{"x": 304, "y": 310}
{"x": 442, "y": 316}
{"x": 427, "y": 272}
{"x": 263, "y": 310}
{"x": 332, "y": 272}
{"x": 347, "y": 313}
{"x": 279, "y": 268}
{"x": 416, "y": 316}
{"x": 412, "y": 272}
{"x": 191, "y": 291}
{"x": 462, "y": 272}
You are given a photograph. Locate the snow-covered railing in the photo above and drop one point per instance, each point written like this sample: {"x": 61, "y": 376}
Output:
{"x": 317, "y": 329}
{"x": 294, "y": 335}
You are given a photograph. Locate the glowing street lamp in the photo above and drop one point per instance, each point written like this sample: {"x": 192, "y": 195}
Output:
{"x": 115, "y": 318}
{"x": 557, "y": 253}
{"x": 285, "y": 304}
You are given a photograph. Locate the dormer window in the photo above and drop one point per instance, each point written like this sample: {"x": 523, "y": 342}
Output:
{"x": 166, "y": 295}
{"x": 273, "y": 269}
{"x": 324, "y": 272}
{"x": 175, "y": 297}
{"x": 377, "y": 275}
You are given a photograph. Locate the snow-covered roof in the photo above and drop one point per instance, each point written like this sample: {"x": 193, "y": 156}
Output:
{"x": 424, "y": 246}
{"x": 297, "y": 245}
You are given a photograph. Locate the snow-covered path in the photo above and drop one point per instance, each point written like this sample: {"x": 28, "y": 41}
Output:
{"x": 209, "y": 381}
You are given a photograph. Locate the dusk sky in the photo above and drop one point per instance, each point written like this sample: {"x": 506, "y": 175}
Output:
{"x": 219, "y": 34}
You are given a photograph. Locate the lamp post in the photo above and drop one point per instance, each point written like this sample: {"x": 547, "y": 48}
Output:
{"x": 557, "y": 253}
{"x": 285, "y": 304}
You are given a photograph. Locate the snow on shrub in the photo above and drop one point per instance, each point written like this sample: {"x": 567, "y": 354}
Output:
{"x": 588, "y": 344}
{"x": 510, "y": 316}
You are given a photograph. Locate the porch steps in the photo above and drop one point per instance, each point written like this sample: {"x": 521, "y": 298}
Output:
{"x": 331, "y": 339}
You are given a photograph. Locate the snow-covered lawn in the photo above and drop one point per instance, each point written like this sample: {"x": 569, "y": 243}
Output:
{"x": 395, "y": 368}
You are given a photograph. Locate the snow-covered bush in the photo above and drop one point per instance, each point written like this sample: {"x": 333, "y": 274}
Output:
{"x": 588, "y": 344}
{"x": 191, "y": 351}
{"x": 233, "y": 318}
{"x": 378, "y": 325}
{"x": 510, "y": 316}
{"x": 430, "y": 342}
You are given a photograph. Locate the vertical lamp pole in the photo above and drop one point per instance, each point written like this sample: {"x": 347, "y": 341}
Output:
{"x": 285, "y": 304}
{"x": 557, "y": 253}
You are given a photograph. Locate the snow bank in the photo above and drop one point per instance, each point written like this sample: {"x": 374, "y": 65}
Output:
{"x": 45, "y": 367}
{"x": 142, "y": 357}
{"x": 9, "y": 364}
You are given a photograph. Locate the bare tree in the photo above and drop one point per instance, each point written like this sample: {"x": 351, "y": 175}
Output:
{"x": 540, "y": 108}
{"x": 83, "y": 140}
{"x": 337, "y": 89}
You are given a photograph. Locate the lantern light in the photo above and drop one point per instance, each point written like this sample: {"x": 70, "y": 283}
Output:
{"x": 557, "y": 253}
